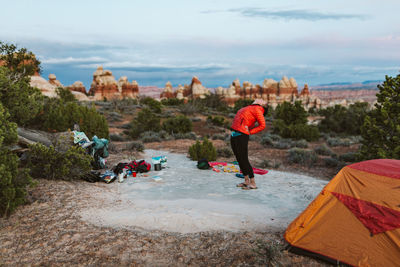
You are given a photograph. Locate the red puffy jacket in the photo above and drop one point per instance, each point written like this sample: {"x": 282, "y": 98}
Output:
{"x": 246, "y": 118}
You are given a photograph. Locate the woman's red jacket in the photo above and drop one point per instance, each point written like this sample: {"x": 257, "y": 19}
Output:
{"x": 246, "y": 118}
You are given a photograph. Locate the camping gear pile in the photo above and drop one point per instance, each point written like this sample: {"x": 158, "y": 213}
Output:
{"x": 97, "y": 148}
{"x": 355, "y": 219}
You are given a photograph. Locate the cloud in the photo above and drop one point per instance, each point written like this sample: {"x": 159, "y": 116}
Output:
{"x": 151, "y": 68}
{"x": 74, "y": 60}
{"x": 290, "y": 14}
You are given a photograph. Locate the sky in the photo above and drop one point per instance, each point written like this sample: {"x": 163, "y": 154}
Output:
{"x": 152, "y": 42}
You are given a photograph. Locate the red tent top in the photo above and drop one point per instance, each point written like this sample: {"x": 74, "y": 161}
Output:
{"x": 384, "y": 167}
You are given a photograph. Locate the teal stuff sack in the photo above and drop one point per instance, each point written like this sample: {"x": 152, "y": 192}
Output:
{"x": 203, "y": 164}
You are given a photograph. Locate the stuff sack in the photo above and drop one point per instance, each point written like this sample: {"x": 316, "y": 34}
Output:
{"x": 203, "y": 164}
{"x": 143, "y": 166}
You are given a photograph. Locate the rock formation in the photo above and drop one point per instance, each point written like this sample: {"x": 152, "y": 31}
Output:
{"x": 44, "y": 86}
{"x": 53, "y": 80}
{"x": 77, "y": 87}
{"x": 128, "y": 90}
{"x": 167, "y": 92}
{"x": 197, "y": 90}
{"x": 48, "y": 88}
{"x": 104, "y": 85}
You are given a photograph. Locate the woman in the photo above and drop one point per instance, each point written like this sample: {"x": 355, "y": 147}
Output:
{"x": 242, "y": 127}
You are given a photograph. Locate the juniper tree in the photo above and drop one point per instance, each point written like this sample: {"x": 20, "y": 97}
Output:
{"x": 381, "y": 128}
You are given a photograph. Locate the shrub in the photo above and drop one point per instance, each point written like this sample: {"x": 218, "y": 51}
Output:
{"x": 144, "y": 121}
{"x": 302, "y": 131}
{"x": 333, "y": 141}
{"x": 179, "y": 124}
{"x": 13, "y": 180}
{"x": 291, "y": 113}
{"x": 331, "y": 162}
{"x": 172, "y": 102}
{"x": 135, "y": 145}
{"x": 195, "y": 119}
{"x": 20, "y": 60}
{"x": 349, "y": 157}
{"x": 114, "y": 116}
{"x": 216, "y": 120}
{"x": 283, "y": 144}
{"x": 265, "y": 163}
{"x": 191, "y": 136}
{"x": 339, "y": 119}
{"x": 266, "y": 140}
{"x": 153, "y": 104}
{"x": 65, "y": 94}
{"x": 150, "y": 136}
{"x": 122, "y": 105}
{"x": 22, "y": 101}
{"x": 300, "y": 143}
{"x": 302, "y": 156}
{"x": 225, "y": 152}
{"x": 190, "y": 108}
{"x": 219, "y": 137}
{"x": 46, "y": 162}
{"x": 323, "y": 150}
{"x": 204, "y": 150}
{"x": 59, "y": 116}
{"x": 116, "y": 137}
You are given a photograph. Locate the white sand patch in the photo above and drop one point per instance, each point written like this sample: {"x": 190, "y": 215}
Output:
{"x": 189, "y": 200}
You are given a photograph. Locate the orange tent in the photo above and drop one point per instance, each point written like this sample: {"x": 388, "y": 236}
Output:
{"x": 356, "y": 217}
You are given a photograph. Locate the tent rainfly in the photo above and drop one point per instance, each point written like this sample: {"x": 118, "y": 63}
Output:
{"x": 356, "y": 217}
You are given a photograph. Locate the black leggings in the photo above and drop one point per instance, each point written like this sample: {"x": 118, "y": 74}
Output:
{"x": 239, "y": 146}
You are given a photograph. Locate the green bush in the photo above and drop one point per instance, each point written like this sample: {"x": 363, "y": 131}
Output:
{"x": 349, "y": 157}
{"x": 323, "y": 150}
{"x": 153, "y": 104}
{"x": 295, "y": 131}
{"x": 334, "y": 141}
{"x": 172, "y": 102}
{"x": 22, "y": 101}
{"x": 144, "y": 121}
{"x": 190, "y": 108}
{"x": 179, "y": 124}
{"x": 302, "y": 156}
{"x": 13, "y": 180}
{"x": 46, "y": 162}
{"x": 117, "y": 137}
{"x": 59, "y": 116}
{"x": 150, "y": 136}
{"x": 65, "y": 94}
{"x": 204, "y": 150}
{"x": 291, "y": 113}
{"x": 331, "y": 162}
{"x": 225, "y": 152}
{"x": 217, "y": 120}
{"x": 219, "y": 137}
{"x": 20, "y": 61}
{"x": 300, "y": 143}
{"x": 191, "y": 136}
{"x": 135, "y": 145}
{"x": 342, "y": 120}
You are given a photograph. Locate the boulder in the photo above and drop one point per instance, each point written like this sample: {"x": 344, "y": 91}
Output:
{"x": 53, "y": 80}
{"x": 77, "y": 87}
{"x": 44, "y": 86}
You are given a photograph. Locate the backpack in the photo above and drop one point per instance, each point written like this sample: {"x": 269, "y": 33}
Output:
{"x": 203, "y": 164}
{"x": 143, "y": 166}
